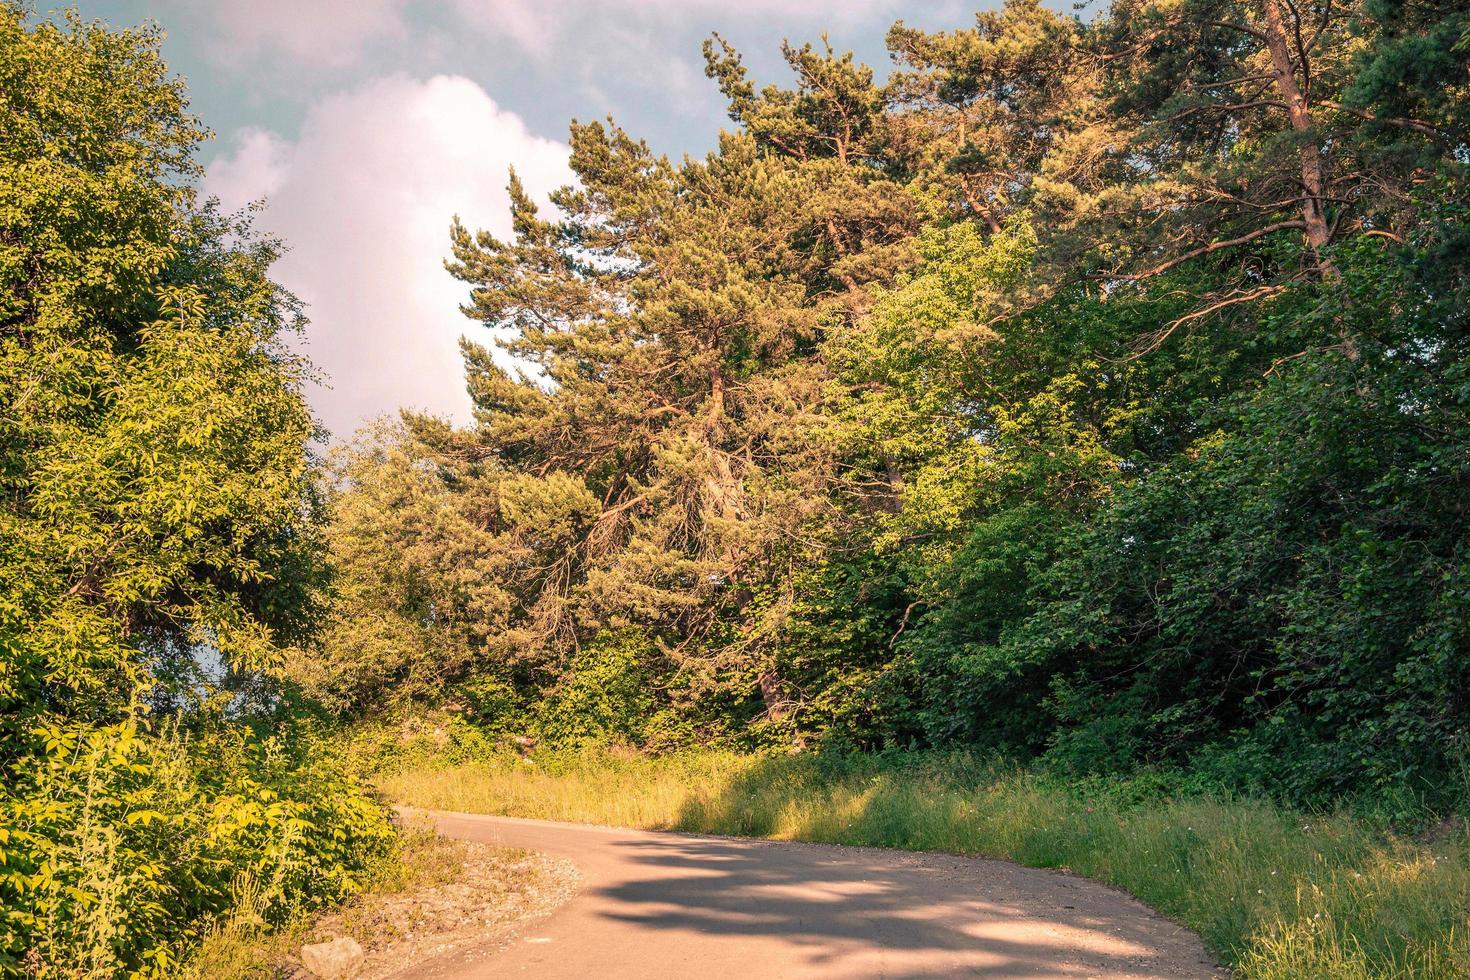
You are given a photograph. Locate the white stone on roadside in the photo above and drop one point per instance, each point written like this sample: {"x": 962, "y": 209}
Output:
{"x": 335, "y": 959}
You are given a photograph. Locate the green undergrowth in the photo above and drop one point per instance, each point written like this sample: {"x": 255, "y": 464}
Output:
{"x": 123, "y": 847}
{"x": 1274, "y": 892}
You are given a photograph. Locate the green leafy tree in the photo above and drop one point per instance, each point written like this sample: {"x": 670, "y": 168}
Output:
{"x": 446, "y": 562}
{"x": 1283, "y": 604}
{"x": 157, "y": 493}
{"x": 158, "y": 519}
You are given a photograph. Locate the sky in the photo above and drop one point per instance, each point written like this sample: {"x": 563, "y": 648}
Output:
{"x": 365, "y": 125}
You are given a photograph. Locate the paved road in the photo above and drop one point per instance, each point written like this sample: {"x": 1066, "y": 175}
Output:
{"x": 655, "y": 906}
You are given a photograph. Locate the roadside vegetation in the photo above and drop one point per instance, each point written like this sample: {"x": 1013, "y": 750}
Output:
{"x": 423, "y": 898}
{"x": 238, "y": 949}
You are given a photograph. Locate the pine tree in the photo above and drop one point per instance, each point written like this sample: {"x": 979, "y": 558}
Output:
{"x": 673, "y": 316}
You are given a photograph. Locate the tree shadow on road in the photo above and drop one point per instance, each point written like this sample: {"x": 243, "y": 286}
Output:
{"x": 867, "y": 912}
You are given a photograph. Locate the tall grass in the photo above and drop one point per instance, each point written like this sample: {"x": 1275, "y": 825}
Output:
{"x": 1275, "y": 893}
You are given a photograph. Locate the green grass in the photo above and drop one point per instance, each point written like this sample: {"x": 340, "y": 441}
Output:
{"x": 1274, "y": 892}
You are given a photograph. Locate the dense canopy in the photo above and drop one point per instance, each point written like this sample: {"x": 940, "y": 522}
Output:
{"x": 1092, "y": 389}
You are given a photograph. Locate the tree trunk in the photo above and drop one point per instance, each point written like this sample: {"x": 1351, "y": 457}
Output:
{"x": 722, "y": 488}
{"x": 1314, "y": 181}
{"x": 979, "y": 207}
{"x": 772, "y": 695}
{"x": 1313, "y": 169}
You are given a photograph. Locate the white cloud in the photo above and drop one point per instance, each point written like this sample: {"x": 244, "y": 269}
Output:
{"x": 364, "y": 198}
{"x": 337, "y": 33}
{"x": 532, "y": 24}
{"x": 332, "y": 33}
{"x": 536, "y": 24}
{"x": 259, "y": 165}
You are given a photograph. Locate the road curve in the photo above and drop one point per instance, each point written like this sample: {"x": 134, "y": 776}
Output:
{"x": 657, "y": 905}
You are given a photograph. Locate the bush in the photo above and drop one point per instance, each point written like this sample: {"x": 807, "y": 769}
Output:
{"x": 604, "y": 697}
{"x": 122, "y": 847}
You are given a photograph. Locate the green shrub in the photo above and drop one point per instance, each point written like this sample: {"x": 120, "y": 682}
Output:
{"x": 604, "y": 697}
{"x": 122, "y": 847}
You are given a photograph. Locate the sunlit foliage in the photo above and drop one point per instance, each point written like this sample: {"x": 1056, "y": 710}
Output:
{"x": 159, "y": 533}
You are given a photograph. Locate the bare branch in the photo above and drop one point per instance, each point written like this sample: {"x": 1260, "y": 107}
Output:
{"x": 1225, "y": 107}
{"x": 1260, "y": 292}
{"x": 1291, "y": 357}
{"x": 1214, "y": 247}
{"x": 1233, "y": 81}
{"x": 1258, "y": 35}
{"x": 904, "y": 622}
{"x": 1418, "y": 125}
{"x": 1301, "y": 48}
